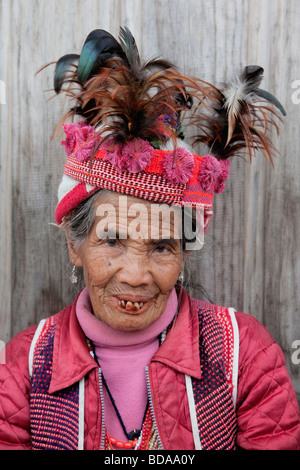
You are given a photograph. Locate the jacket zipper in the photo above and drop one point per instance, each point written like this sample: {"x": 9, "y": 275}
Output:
{"x": 152, "y": 407}
{"x": 102, "y": 423}
{"x": 102, "y": 441}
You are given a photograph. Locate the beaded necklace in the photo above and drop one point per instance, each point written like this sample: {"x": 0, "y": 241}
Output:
{"x": 143, "y": 439}
{"x": 147, "y": 439}
{"x": 132, "y": 436}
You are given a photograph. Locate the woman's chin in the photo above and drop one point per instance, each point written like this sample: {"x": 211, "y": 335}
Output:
{"x": 119, "y": 318}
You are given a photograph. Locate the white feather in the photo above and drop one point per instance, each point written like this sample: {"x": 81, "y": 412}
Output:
{"x": 235, "y": 94}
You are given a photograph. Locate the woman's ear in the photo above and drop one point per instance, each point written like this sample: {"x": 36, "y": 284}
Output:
{"x": 74, "y": 252}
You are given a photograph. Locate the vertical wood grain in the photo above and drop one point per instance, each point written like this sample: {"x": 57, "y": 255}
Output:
{"x": 6, "y": 201}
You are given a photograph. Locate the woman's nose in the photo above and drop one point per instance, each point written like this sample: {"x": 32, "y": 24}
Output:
{"x": 135, "y": 272}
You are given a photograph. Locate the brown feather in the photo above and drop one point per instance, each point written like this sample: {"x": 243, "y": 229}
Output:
{"x": 120, "y": 105}
{"x": 239, "y": 131}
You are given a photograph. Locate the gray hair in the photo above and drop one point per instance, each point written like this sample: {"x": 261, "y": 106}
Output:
{"x": 78, "y": 223}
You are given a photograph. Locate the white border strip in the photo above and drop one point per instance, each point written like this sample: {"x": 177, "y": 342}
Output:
{"x": 33, "y": 343}
{"x": 192, "y": 408}
{"x": 81, "y": 415}
{"x": 236, "y": 344}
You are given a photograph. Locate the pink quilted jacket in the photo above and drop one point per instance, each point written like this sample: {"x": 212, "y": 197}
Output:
{"x": 267, "y": 410}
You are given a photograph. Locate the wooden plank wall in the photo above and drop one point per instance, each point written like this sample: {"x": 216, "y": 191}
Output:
{"x": 251, "y": 257}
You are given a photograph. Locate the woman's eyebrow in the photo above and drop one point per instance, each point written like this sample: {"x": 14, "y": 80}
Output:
{"x": 104, "y": 234}
{"x": 112, "y": 232}
{"x": 165, "y": 241}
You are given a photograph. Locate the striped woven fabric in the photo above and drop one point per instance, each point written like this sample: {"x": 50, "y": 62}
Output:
{"x": 144, "y": 185}
{"x": 54, "y": 418}
{"x": 215, "y": 411}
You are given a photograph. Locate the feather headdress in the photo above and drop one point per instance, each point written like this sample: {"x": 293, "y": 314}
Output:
{"x": 121, "y": 96}
{"x": 240, "y": 118}
{"x": 129, "y": 139}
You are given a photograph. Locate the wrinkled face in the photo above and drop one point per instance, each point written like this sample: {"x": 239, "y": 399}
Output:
{"x": 131, "y": 260}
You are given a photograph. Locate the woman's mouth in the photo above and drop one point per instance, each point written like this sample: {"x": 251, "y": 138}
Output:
{"x": 132, "y": 305}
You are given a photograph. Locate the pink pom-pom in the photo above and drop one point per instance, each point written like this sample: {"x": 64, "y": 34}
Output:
{"x": 113, "y": 153}
{"x": 224, "y": 173}
{"x": 70, "y": 139}
{"x": 86, "y": 139}
{"x": 178, "y": 166}
{"x": 136, "y": 155}
{"x": 82, "y": 135}
{"x": 209, "y": 172}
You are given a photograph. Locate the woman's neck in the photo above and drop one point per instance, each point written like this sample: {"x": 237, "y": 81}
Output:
{"x": 123, "y": 356}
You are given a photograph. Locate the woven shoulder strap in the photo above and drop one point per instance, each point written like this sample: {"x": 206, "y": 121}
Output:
{"x": 212, "y": 398}
{"x": 55, "y": 418}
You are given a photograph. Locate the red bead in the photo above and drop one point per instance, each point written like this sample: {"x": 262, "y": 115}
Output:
{"x": 113, "y": 440}
{"x": 128, "y": 445}
{"x": 119, "y": 444}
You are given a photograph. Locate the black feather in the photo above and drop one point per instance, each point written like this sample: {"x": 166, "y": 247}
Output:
{"x": 139, "y": 69}
{"x": 98, "y": 47}
{"x": 252, "y": 76}
{"x": 269, "y": 97}
{"x": 130, "y": 49}
{"x": 62, "y": 69}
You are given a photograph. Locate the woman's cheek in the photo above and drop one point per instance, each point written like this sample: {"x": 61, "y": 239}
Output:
{"x": 97, "y": 271}
{"x": 167, "y": 275}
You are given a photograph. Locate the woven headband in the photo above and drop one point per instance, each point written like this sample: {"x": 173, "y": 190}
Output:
{"x": 135, "y": 168}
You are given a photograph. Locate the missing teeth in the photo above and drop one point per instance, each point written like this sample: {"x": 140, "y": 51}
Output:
{"x": 128, "y": 305}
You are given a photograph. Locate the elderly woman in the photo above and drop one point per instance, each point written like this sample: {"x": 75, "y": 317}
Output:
{"x": 135, "y": 362}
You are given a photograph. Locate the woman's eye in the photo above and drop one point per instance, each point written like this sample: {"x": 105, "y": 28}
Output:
{"x": 111, "y": 242}
{"x": 165, "y": 246}
{"x": 161, "y": 248}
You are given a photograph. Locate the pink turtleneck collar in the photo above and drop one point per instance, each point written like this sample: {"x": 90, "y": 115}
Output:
{"x": 123, "y": 357}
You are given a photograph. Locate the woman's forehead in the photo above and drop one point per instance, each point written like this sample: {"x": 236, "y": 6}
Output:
{"x": 126, "y": 200}
{"x": 132, "y": 217}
